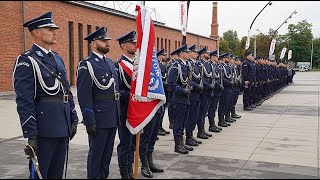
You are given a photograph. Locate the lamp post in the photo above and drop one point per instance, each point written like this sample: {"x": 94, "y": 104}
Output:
{"x": 311, "y": 53}
{"x": 248, "y": 37}
{"x": 285, "y": 21}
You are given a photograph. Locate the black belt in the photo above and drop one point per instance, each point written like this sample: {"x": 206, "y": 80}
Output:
{"x": 115, "y": 96}
{"x": 63, "y": 99}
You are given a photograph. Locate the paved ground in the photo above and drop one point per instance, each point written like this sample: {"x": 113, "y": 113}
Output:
{"x": 279, "y": 139}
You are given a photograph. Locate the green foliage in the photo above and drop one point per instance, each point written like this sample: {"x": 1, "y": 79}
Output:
{"x": 298, "y": 39}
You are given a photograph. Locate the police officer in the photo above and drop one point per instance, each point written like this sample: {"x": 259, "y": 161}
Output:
{"x": 179, "y": 82}
{"x": 195, "y": 74}
{"x": 171, "y": 110}
{"x": 98, "y": 94}
{"x": 44, "y": 101}
{"x": 217, "y": 92}
{"x": 248, "y": 78}
{"x": 208, "y": 86}
{"x": 124, "y": 65}
{"x": 238, "y": 79}
{"x": 161, "y": 54}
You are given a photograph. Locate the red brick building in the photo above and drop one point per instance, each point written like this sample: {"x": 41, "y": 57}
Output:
{"x": 76, "y": 20}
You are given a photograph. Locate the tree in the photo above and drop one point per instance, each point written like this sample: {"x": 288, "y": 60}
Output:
{"x": 301, "y": 41}
{"x": 232, "y": 38}
{"x": 316, "y": 53}
{"x": 223, "y": 46}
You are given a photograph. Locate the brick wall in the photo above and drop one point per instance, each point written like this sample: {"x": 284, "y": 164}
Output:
{"x": 80, "y": 19}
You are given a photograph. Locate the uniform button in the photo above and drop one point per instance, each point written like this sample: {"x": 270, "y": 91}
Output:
{"x": 41, "y": 112}
{"x": 59, "y": 73}
{"x": 98, "y": 110}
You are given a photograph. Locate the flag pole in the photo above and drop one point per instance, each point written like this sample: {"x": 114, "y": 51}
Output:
{"x": 136, "y": 158}
{"x": 184, "y": 38}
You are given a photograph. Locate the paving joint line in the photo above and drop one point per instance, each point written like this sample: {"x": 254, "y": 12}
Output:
{"x": 318, "y": 134}
{"x": 10, "y": 139}
{"x": 268, "y": 133}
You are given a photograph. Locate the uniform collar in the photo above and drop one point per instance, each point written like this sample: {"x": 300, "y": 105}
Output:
{"x": 184, "y": 63}
{"x": 99, "y": 55}
{"x": 131, "y": 60}
{"x": 43, "y": 49}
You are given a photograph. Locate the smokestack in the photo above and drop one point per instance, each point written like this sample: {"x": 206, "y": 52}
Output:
{"x": 214, "y": 25}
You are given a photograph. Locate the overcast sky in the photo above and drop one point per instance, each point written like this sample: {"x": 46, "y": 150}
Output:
{"x": 234, "y": 15}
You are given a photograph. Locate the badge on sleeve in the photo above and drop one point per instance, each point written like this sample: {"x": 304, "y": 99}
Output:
{"x": 39, "y": 53}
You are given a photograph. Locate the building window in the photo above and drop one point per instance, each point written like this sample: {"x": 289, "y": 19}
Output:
{"x": 80, "y": 40}
{"x": 71, "y": 53}
{"x": 161, "y": 43}
{"x": 169, "y": 50}
{"x": 165, "y": 45}
{"x": 97, "y": 27}
{"x": 179, "y": 43}
{"x": 89, "y": 31}
{"x": 157, "y": 43}
{"x": 175, "y": 44}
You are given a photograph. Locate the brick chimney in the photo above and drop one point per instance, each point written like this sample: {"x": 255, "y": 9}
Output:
{"x": 214, "y": 25}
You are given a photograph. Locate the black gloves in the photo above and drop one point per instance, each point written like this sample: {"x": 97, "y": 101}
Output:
{"x": 33, "y": 142}
{"x": 200, "y": 88}
{"x": 186, "y": 92}
{"x": 221, "y": 87}
{"x": 73, "y": 129}
{"x": 92, "y": 129}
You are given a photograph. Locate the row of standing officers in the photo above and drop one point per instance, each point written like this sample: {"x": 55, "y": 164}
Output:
{"x": 49, "y": 120}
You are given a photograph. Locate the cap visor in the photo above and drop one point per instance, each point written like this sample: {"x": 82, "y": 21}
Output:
{"x": 49, "y": 25}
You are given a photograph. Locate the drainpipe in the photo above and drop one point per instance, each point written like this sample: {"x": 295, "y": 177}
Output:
{"x": 23, "y": 29}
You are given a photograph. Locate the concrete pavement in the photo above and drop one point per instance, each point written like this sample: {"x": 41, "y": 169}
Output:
{"x": 279, "y": 139}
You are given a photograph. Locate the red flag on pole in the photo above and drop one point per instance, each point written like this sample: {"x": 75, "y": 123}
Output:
{"x": 147, "y": 92}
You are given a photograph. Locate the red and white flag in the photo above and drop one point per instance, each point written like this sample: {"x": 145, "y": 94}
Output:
{"x": 272, "y": 46}
{"x": 289, "y": 54}
{"x": 183, "y": 11}
{"x": 147, "y": 92}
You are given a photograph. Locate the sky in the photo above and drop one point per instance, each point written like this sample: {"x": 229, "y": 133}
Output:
{"x": 232, "y": 15}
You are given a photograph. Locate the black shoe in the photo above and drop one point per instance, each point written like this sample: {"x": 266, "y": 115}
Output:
{"x": 157, "y": 138}
{"x": 222, "y": 124}
{"x": 253, "y": 106}
{"x": 229, "y": 121}
{"x": 161, "y": 133}
{"x": 130, "y": 171}
{"x": 214, "y": 129}
{"x": 235, "y": 116}
{"x": 247, "y": 109}
{"x": 154, "y": 168}
{"x": 189, "y": 140}
{"x": 219, "y": 128}
{"x": 178, "y": 147}
{"x": 202, "y": 136}
{"x": 167, "y": 132}
{"x": 145, "y": 170}
{"x": 124, "y": 173}
{"x": 207, "y": 134}
{"x": 196, "y": 140}
{"x": 188, "y": 147}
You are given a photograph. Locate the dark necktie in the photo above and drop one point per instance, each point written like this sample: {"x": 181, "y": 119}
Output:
{"x": 50, "y": 54}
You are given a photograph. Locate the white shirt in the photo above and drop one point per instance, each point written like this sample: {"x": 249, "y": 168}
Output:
{"x": 99, "y": 55}
{"x": 43, "y": 49}
{"x": 128, "y": 58}
{"x": 184, "y": 63}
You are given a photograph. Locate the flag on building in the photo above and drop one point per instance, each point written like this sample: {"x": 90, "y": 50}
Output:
{"x": 147, "y": 92}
